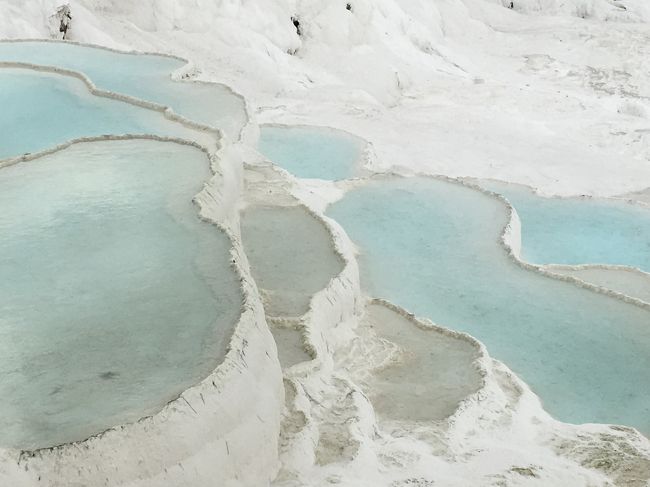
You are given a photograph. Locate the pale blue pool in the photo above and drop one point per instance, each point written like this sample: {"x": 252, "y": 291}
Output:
{"x": 312, "y": 152}
{"x": 432, "y": 247}
{"x": 114, "y": 295}
{"x": 42, "y": 110}
{"x": 142, "y": 76}
{"x": 579, "y": 231}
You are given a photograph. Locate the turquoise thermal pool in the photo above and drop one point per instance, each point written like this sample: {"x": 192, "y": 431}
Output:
{"x": 41, "y": 110}
{"x": 432, "y": 247}
{"x": 312, "y": 152}
{"x": 115, "y": 296}
{"x": 143, "y": 76}
{"x": 291, "y": 254}
{"x": 579, "y": 231}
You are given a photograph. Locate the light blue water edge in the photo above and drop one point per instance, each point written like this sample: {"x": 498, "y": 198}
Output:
{"x": 576, "y": 231}
{"x": 432, "y": 247}
{"x": 312, "y": 152}
{"x": 114, "y": 295}
{"x": 42, "y": 110}
{"x": 143, "y": 76}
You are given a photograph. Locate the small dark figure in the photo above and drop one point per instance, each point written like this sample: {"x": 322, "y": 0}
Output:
{"x": 296, "y": 24}
{"x": 512, "y": 5}
{"x": 348, "y": 6}
{"x": 66, "y": 18}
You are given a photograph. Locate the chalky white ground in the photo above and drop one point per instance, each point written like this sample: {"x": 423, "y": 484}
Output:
{"x": 536, "y": 95}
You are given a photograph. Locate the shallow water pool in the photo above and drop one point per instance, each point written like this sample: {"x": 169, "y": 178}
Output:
{"x": 114, "y": 296}
{"x": 290, "y": 345}
{"x": 430, "y": 376}
{"x": 312, "y": 152}
{"x": 41, "y": 110}
{"x": 621, "y": 279}
{"x": 433, "y": 247}
{"x": 291, "y": 254}
{"x": 579, "y": 231}
{"x": 142, "y": 76}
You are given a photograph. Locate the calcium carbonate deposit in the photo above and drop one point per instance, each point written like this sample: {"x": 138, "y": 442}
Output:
{"x": 367, "y": 243}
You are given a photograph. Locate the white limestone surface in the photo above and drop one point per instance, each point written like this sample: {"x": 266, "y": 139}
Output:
{"x": 223, "y": 428}
{"x": 552, "y": 94}
{"x": 626, "y": 280}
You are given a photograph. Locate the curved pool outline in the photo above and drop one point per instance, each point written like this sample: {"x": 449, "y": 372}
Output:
{"x": 166, "y": 112}
{"x": 539, "y": 194}
{"x": 507, "y": 234}
{"x": 310, "y": 320}
{"x": 339, "y": 301}
{"x": 605, "y": 267}
{"x": 298, "y": 374}
{"x": 337, "y": 251}
{"x": 510, "y": 233}
{"x": 176, "y": 76}
{"x": 359, "y": 168}
{"x": 482, "y": 363}
{"x": 251, "y": 313}
{"x": 509, "y": 239}
{"x": 180, "y": 404}
{"x": 501, "y": 234}
{"x": 342, "y": 247}
{"x": 548, "y": 267}
{"x": 202, "y": 215}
